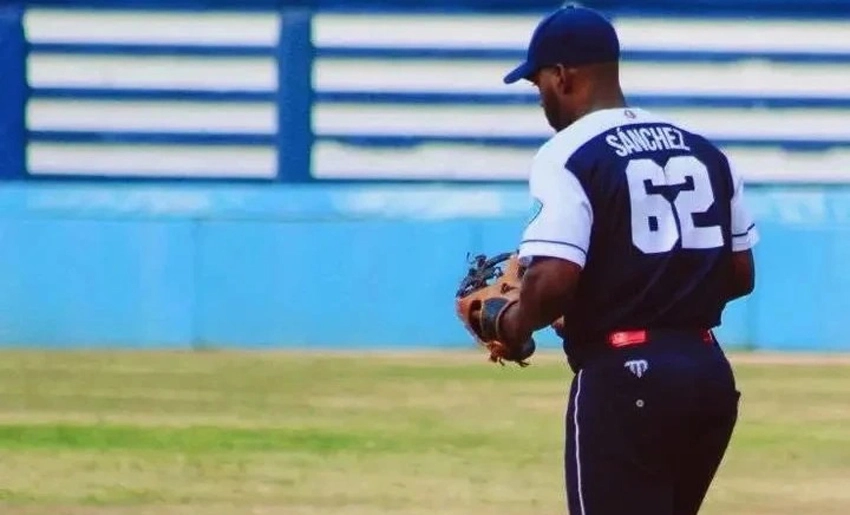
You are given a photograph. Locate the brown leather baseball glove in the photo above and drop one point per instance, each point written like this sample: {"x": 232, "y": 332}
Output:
{"x": 489, "y": 288}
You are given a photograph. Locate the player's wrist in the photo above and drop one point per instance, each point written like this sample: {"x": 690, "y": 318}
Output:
{"x": 509, "y": 325}
{"x": 491, "y": 317}
{"x": 511, "y": 333}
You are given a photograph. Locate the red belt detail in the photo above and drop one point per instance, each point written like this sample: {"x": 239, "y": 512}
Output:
{"x": 628, "y": 338}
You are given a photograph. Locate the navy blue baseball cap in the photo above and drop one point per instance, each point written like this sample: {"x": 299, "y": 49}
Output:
{"x": 571, "y": 36}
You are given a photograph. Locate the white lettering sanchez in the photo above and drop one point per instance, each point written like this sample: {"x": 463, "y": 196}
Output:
{"x": 648, "y": 138}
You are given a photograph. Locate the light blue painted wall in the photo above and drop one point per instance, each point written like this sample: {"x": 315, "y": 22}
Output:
{"x": 339, "y": 266}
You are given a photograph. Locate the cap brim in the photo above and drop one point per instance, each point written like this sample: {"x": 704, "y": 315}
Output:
{"x": 522, "y": 71}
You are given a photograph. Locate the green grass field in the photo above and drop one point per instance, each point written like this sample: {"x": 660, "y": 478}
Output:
{"x": 112, "y": 433}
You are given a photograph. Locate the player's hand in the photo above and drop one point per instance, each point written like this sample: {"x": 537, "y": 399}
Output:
{"x": 484, "y": 297}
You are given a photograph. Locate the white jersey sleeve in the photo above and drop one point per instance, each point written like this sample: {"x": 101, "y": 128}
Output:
{"x": 561, "y": 217}
{"x": 744, "y": 232}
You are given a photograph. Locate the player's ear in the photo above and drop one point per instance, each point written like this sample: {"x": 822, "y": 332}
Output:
{"x": 566, "y": 79}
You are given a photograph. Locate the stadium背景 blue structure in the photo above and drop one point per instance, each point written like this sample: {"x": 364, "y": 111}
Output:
{"x": 212, "y": 173}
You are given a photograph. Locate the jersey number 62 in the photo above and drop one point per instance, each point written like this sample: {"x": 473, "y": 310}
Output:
{"x": 658, "y": 223}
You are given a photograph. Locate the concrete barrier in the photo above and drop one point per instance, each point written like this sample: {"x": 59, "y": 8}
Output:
{"x": 339, "y": 266}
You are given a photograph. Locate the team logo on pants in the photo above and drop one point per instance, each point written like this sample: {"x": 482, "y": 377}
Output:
{"x": 637, "y": 366}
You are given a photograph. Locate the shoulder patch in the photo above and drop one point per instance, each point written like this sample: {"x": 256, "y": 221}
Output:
{"x": 536, "y": 208}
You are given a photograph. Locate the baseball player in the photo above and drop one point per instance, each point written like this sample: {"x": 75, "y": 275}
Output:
{"x": 638, "y": 239}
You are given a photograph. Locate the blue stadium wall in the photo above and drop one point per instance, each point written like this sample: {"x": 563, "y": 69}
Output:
{"x": 295, "y": 178}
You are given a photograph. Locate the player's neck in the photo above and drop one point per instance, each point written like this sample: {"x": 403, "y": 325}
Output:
{"x": 606, "y": 100}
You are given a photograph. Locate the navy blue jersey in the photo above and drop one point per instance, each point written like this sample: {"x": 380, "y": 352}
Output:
{"x": 651, "y": 211}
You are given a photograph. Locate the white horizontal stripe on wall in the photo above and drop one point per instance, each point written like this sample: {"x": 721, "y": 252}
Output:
{"x": 110, "y": 26}
{"x": 772, "y": 165}
{"x": 194, "y": 73}
{"x": 636, "y": 33}
{"x": 438, "y": 31}
{"x": 260, "y": 74}
{"x": 473, "y": 162}
{"x": 129, "y": 115}
{"x": 471, "y": 120}
{"x": 734, "y": 34}
{"x": 441, "y": 31}
{"x": 432, "y": 161}
{"x": 748, "y": 78}
{"x": 199, "y": 161}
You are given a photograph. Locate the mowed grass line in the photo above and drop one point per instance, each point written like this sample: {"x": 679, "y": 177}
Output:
{"x": 219, "y": 439}
{"x": 298, "y": 433}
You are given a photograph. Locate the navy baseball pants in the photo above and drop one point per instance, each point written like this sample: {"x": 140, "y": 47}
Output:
{"x": 647, "y": 427}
